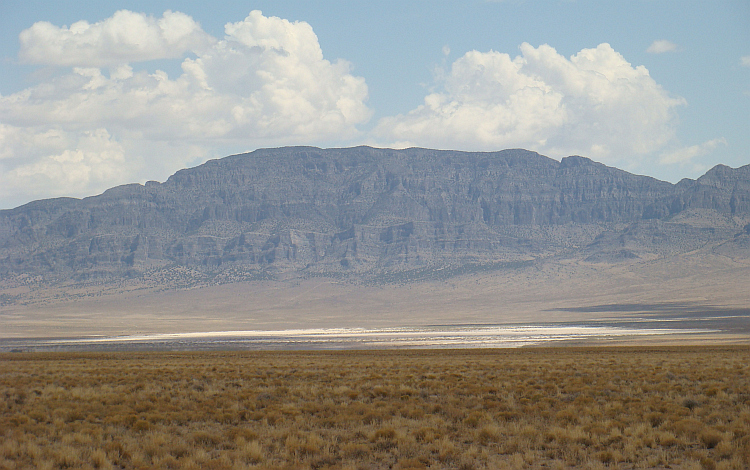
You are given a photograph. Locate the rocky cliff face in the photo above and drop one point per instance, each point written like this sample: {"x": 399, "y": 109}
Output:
{"x": 360, "y": 211}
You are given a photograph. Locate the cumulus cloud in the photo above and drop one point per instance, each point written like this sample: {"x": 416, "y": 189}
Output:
{"x": 53, "y": 162}
{"x": 686, "y": 155}
{"x": 266, "y": 82}
{"x": 661, "y": 46}
{"x": 595, "y": 104}
{"x": 125, "y": 37}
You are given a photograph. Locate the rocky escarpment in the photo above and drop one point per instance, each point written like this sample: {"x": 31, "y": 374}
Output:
{"x": 362, "y": 211}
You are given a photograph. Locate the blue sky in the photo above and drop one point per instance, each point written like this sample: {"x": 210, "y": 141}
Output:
{"x": 95, "y": 94}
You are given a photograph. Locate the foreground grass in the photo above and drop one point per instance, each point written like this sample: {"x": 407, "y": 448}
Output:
{"x": 465, "y": 409}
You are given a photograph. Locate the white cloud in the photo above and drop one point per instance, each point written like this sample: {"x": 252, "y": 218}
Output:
{"x": 745, "y": 61}
{"x": 124, "y": 37}
{"x": 265, "y": 83}
{"x": 685, "y": 155}
{"x": 594, "y": 104}
{"x": 661, "y": 46}
{"x": 52, "y": 162}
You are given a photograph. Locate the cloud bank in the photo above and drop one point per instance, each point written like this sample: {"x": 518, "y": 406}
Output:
{"x": 125, "y": 37}
{"x": 595, "y": 104}
{"x": 101, "y": 123}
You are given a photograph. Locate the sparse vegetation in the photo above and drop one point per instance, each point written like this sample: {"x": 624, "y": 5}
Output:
{"x": 445, "y": 271}
{"x": 469, "y": 409}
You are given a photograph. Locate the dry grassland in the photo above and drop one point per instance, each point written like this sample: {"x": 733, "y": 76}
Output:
{"x": 465, "y": 409}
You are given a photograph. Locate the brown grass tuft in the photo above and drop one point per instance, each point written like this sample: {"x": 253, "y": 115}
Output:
{"x": 476, "y": 409}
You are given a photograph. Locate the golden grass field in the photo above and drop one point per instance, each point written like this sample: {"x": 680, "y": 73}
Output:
{"x": 444, "y": 409}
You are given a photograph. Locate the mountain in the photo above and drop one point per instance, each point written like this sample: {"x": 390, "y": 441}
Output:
{"x": 363, "y": 215}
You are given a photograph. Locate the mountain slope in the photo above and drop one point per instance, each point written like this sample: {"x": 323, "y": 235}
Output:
{"x": 364, "y": 213}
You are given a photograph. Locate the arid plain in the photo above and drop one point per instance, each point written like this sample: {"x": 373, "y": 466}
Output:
{"x": 641, "y": 405}
{"x": 624, "y": 408}
{"x": 696, "y": 290}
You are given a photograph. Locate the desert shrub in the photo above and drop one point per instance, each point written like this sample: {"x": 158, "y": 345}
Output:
{"x": 355, "y": 451}
{"x": 387, "y": 433}
{"x": 304, "y": 445}
{"x": 426, "y": 434}
{"x": 707, "y": 463}
{"x": 690, "y": 403}
{"x": 411, "y": 464}
{"x": 711, "y": 438}
{"x": 141, "y": 425}
{"x": 489, "y": 434}
{"x": 688, "y": 427}
{"x": 100, "y": 460}
{"x": 534, "y": 408}
{"x": 205, "y": 439}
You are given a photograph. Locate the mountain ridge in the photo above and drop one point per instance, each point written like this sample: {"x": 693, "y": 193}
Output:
{"x": 361, "y": 212}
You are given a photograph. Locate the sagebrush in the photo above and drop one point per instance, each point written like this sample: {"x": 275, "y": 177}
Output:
{"x": 470, "y": 409}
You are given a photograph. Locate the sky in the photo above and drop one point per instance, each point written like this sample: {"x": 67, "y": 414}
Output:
{"x": 94, "y": 94}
